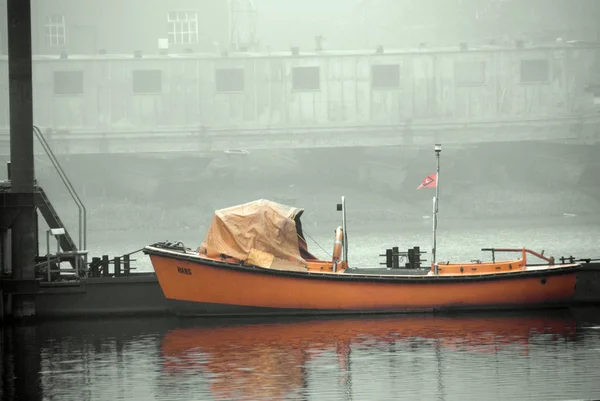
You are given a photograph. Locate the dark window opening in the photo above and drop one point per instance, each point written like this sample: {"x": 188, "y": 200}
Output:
{"x": 385, "y": 76}
{"x": 230, "y": 79}
{"x": 533, "y": 71}
{"x": 593, "y": 89}
{"x": 306, "y": 78}
{"x": 147, "y": 81}
{"x": 68, "y": 82}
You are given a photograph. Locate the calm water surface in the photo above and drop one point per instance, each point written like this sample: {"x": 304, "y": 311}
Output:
{"x": 552, "y": 355}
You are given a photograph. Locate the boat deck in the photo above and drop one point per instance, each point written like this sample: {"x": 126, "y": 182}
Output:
{"x": 387, "y": 271}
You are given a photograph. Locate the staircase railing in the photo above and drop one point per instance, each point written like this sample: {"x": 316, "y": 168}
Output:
{"x": 80, "y": 206}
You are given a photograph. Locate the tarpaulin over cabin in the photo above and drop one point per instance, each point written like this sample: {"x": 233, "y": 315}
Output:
{"x": 262, "y": 233}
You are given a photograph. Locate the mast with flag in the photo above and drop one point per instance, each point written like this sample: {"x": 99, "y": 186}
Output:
{"x": 438, "y": 150}
{"x": 431, "y": 181}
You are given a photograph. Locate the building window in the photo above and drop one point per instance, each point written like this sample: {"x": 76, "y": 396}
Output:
{"x": 183, "y": 27}
{"x": 146, "y": 82}
{"x": 534, "y": 71}
{"x": 469, "y": 73}
{"x": 229, "y": 79}
{"x": 594, "y": 90}
{"x": 385, "y": 76}
{"x": 56, "y": 30}
{"x": 68, "y": 83}
{"x": 306, "y": 79}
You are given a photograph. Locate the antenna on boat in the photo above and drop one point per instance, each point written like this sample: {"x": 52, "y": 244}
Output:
{"x": 345, "y": 245}
{"x": 342, "y": 207}
{"x": 438, "y": 150}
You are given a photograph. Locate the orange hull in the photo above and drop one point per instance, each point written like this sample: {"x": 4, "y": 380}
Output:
{"x": 202, "y": 286}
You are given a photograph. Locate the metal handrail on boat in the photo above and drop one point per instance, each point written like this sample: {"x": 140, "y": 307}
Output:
{"x": 70, "y": 188}
{"x": 523, "y": 251}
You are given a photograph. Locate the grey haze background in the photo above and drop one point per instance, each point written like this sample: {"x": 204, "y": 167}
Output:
{"x": 153, "y": 193}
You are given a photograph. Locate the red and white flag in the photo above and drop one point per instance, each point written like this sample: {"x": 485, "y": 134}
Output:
{"x": 428, "y": 182}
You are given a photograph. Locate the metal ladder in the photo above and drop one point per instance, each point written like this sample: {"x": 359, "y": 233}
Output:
{"x": 43, "y": 203}
{"x": 52, "y": 219}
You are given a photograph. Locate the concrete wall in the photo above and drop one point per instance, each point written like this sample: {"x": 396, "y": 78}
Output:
{"x": 588, "y": 284}
{"x": 135, "y": 295}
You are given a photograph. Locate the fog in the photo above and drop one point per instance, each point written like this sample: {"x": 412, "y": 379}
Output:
{"x": 143, "y": 102}
{"x": 161, "y": 112}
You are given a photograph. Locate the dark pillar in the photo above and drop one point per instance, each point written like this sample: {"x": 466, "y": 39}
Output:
{"x": 21, "y": 363}
{"x": 21, "y": 147}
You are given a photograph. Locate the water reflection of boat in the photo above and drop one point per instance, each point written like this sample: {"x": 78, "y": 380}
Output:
{"x": 271, "y": 359}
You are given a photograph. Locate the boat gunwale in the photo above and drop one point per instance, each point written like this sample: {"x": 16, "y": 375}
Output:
{"x": 557, "y": 270}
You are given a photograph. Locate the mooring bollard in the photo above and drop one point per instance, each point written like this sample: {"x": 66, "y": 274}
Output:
{"x": 417, "y": 255}
{"x": 395, "y": 258}
{"x": 117, "y": 263}
{"x": 388, "y": 258}
{"x": 105, "y": 263}
{"x": 126, "y": 264}
{"x": 96, "y": 262}
{"x": 411, "y": 259}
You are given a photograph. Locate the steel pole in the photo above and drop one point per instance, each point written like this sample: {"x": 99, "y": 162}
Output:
{"x": 21, "y": 148}
{"x": 435, "y": 207}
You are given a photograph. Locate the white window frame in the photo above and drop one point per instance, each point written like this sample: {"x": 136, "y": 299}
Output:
{"x": 182, "y": 27}
{"x": 56, "y": 30}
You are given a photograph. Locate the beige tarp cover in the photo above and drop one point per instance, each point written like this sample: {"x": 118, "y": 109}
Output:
{"x": 261, "y": 233}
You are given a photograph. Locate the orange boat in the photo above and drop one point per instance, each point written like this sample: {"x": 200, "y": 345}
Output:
{"x": 254, "y": 260}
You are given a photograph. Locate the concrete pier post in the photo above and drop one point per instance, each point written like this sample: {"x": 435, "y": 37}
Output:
{"x": 21, "y": 149}
{"x": 21, "y": 363}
